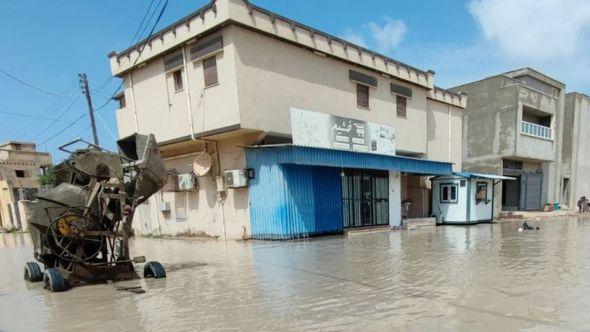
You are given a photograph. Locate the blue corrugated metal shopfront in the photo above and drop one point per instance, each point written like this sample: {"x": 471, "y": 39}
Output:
{"x": 297, "y": 191}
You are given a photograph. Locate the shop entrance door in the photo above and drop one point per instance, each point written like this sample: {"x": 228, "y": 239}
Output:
{"x": 365, "y": 198}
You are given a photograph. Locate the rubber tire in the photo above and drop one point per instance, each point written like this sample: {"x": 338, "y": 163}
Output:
{"x": 54, "y": 281}
{"x": 154, "y": 270}
{"x": 32, "y": 272}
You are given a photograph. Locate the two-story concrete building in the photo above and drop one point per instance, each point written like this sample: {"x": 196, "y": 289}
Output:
{"x": 513, "y": 126}
{"x": 20, "y": 164}
{"x": 274, "y": 129}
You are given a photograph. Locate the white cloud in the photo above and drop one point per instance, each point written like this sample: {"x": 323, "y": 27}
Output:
{"x": 355, "y": 38}
{"x": 383, "y": 38}
{"x": 535, "y": 29}
{"x": 389, "y": 35}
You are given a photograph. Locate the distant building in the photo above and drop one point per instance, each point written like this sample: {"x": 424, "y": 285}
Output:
{"x": 328, "y": 134}
{"x": 576, "y": 148}
{"x": 514, "y": 125}
{"x": 20, "y": 164}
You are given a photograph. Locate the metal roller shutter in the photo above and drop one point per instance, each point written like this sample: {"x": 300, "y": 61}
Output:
{"x": 531, "y": 187}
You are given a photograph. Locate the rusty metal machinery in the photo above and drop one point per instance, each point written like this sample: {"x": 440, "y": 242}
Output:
{"x": 81, "y": 227}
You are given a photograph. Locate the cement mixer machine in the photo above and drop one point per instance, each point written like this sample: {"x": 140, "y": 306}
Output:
{"x": 81, "y": 227}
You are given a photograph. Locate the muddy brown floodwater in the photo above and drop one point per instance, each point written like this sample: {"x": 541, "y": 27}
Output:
{"x": 478, "y": 278}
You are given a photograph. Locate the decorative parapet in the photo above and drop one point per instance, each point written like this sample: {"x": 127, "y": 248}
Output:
{"x": 220, "y": 13}
{"x": 448, "y": 97}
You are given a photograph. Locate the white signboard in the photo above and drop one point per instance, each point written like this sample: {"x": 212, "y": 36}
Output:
{"x": 322, "y": 130}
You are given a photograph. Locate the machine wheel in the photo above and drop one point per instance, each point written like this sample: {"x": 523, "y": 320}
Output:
{"x": 154, "y": 270}
{"x": 53, "y": 280}
{"x": 32, "y": 272}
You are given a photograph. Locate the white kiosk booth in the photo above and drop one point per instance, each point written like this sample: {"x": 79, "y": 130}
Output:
{"x": 464, "y": 198}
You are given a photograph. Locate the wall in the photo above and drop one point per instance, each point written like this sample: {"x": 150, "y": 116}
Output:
{"x": 273, "y": 76}
{"x": 575, "y": 146}
{"x": 481, "y": 211}
{"x": 452, "y": 212}
{"x": 444, "y": 133}
{"x": 28, "y": 161}
{"x": 395, "y": 199}
{"x": 293, "y": 201}
{"x": 491, "y": 128}
{"x": 203, "y": 212}
{"x": 165, "y": 113}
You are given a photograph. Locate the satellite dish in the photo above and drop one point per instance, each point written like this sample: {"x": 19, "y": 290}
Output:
{"x": 202, "y": 163}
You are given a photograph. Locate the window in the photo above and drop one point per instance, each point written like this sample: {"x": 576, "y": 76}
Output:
{"x": 178, "y": 84}
{"x": 448, "y": 193}
{"x": 362, "y": 95}
{"x": 400, "y": 103}
{"x": 210, "y": 71}
{"x": 481, "y": 192}
{"x": 20, "y": 173}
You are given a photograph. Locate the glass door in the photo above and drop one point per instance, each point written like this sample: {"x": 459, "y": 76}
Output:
{"x": 365, "y": 198}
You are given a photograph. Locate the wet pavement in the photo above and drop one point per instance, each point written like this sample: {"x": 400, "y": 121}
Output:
{"x": 476, "y": 278}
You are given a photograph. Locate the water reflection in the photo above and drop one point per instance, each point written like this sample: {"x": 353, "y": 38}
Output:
{"x": 485, "y": 277}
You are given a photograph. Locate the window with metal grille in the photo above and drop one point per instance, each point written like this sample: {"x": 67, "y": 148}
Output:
{"x": 511, "y": 164}
{"x": 210, "y": 71}
{"x": 362, "y": 95}
{"x": 178, "y": 84}
{"x": 400, "y": 103}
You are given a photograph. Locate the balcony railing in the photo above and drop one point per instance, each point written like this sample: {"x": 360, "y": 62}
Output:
{"x": 533, "y": 129}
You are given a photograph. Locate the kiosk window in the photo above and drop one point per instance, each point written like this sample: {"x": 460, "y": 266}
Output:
{"x": 481, "y": 193}
{"x": 448, "y": 193}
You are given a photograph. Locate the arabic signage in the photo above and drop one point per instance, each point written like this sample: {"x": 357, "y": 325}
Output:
{"x": 322, "y": 130}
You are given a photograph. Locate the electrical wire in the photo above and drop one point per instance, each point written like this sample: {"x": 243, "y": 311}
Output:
{"x": 30, "y": 116}
{"x": 120, "y": 85}
{"x": 140, "y": 51}
{"x": 28, "y": 84}
{"x": 64, "y": 129}
{"x": 57, "y": 104}
{"x": 135, "y": 36}
{"x": 58, "y": 118}
{"x": 139, "y": 28}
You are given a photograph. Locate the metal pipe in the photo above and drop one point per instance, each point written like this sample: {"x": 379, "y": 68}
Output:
{"x": 188, "y": 94}
{"x": 133, "y": 103}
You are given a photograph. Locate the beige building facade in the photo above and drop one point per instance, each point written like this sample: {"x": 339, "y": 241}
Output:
{"x": 20, "y": 164}
{"x": 225, "y": 77}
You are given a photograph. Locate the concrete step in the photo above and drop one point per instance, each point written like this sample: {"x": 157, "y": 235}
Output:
{"x": 418, "y": 222}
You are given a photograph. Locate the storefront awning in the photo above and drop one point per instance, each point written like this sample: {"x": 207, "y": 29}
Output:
{"x": 470, "y": 175}
{"x": 298, "y": 155}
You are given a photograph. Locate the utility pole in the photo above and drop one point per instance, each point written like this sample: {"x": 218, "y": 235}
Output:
{"x": 86, "y": 91}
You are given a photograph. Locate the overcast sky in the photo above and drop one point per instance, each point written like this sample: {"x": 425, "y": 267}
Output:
{"x": 47, "y": 43}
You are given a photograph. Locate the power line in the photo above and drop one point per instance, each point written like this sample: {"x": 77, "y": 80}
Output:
{"x": 120, "y": 85}
{"x": 140, "y": 51}
{"x": 58, "y": 118}
{"x": 27, "y": 84}
{"x": 58, "y": 103}
{"x": 137, "y": 34}
{"x": 30, "y": 116}
{"x": 64, "y": 129}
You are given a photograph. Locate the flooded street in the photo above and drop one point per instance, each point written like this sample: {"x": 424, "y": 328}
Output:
{"x": 484, "y": 277}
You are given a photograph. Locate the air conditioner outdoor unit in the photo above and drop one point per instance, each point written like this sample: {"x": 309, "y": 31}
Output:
{"x": 236, "y": 178}
{"x": 187, "y": 182}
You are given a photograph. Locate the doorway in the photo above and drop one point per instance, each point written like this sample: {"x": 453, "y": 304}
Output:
{"x": 365, "y": 198}
{"x": 511, "y": 194}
